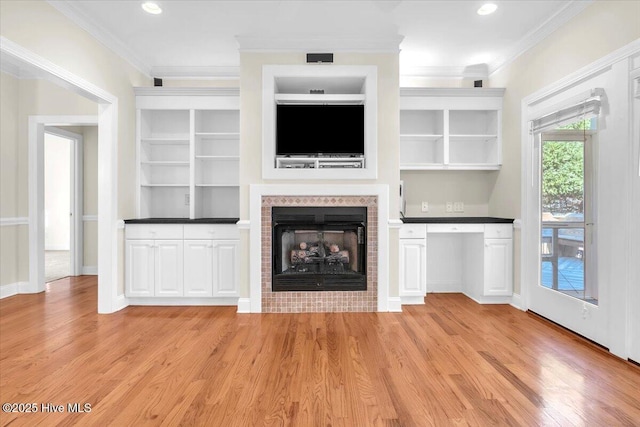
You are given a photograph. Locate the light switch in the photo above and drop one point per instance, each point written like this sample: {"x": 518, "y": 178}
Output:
{"x": 425, "y": 206}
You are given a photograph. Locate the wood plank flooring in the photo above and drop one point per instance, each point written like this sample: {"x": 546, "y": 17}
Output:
{"x": 449, "y": 362}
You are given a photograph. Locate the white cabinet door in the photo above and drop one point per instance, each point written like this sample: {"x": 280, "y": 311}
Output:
{"x": 225, "y": 268}
{"x": 413, "y": 267}
{"x": 198, "y": 268}
{"x": 168, "y": 268}
{"x": 498, "y": 267}
{"x": 139, "y": 268}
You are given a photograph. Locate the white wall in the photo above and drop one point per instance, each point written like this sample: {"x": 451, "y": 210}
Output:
{"x": 57, "y": 193}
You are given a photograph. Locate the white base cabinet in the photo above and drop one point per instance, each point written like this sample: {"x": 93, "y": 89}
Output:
{"x": 197, "y": 261}
{"x": 475, "y": 259}
{"x": 498, "y": 267}
{"x": 413, "y": 264}
{"x": 210, "y": 268}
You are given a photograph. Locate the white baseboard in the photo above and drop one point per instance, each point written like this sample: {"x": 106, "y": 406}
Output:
{"x": 120, "y": 303}
{"x": 395, "y": 304}
{"x": 412, "y": 300}
{"x": 444, "y": 287}
{"x": 516, "y": 301}
{"x": 57, "y": 248}
{"x": 175, "y": 301}
{"x": 91, "y": 270}
{"x": 12, "y": 289}
{"x": 244, "y": 305}
{"x": 489, "y": 300}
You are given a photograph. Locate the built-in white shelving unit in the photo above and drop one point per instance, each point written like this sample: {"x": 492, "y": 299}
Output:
{"x": 188, "y": 153}
{"x": 455, "y": 129}
{"x": 340, "y": 85}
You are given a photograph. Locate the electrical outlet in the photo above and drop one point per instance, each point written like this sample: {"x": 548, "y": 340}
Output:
{"x": 449, "y": 207}
{"x": 186, "y": 199}
{"x": 458, "y": 206}
{"x": 425, "y": 206}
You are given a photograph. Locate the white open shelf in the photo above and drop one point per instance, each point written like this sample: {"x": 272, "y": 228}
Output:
{"x": 450, "y": 129}
{"x": 188, "y": 153}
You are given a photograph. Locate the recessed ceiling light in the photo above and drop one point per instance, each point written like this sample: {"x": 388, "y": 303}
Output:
{"x": 487, "y": 9}
{"x": 154, "y": 9}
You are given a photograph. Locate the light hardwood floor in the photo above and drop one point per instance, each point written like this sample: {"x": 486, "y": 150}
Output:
{"x": 449, "y": 362}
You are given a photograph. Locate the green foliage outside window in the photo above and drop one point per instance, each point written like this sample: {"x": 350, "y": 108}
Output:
{"x": 563, "y": 173}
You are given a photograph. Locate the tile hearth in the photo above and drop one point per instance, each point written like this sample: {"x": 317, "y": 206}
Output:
{"x": 314, "y": 301}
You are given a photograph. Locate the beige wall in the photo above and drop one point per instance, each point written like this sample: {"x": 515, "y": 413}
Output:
{"x": 438, "y": 187}
{"x": 38, "y": 27}
{"x": 251, "y": 135}
{"x": 599, "y": 30}
{"x": 22, "y": 98}
{"x": 9, "y": 235}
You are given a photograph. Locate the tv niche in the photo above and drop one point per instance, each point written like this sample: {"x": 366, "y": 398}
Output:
{"x": 311, "y": 130}
{"x": 319, "y": 248}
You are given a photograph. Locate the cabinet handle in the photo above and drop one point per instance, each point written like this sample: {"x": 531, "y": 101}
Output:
{"x": 212, "y": 232}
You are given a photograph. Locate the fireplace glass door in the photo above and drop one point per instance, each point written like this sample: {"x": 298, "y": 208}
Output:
{"x": 318, "y": 249}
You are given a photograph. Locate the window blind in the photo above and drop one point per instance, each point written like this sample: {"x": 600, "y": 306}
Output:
{"x": 584, "y": 108}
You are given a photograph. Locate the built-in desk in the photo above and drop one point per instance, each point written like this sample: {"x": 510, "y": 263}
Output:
{"x": 463, "y": 254}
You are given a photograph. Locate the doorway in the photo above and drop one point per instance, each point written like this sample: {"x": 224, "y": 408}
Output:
{"x": 63, "y": 203}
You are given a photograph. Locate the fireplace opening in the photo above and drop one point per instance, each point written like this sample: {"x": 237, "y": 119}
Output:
{"x": 319, "y": 248}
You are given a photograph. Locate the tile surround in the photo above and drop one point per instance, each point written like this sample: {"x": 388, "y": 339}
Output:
{"x": 329, "y": 301}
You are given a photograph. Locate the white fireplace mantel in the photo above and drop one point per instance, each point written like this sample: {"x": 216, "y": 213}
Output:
{"x": 257, "y": 191}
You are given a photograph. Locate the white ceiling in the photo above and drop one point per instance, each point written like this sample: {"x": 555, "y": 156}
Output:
{"x": 437, "y": 38}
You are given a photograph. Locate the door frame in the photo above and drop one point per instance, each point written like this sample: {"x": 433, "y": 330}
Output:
{"x": 108, "y": 299}
{"x": 617, "y": 320}
{"x": 77, "y": 201}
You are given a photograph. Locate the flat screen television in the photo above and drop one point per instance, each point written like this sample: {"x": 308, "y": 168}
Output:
{"x": 319, "y": 130}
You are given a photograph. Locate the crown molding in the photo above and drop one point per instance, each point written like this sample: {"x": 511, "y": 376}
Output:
{"x": 196, "y": 73}
{"x": 535, "y": 36}
{"x": 71, "y": 11}
{"x": 476, "y": 71}
{"x": 185, "y": 91}
{"x": 452, "y": 91}
{"x": 320, "y": 43}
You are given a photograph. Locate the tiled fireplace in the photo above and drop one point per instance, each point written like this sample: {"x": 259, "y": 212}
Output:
{"x": 265, "y": 197}
{"x": 314, "y": 301}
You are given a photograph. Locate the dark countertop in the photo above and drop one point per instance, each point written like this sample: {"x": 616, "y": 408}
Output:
{"x": 456, "y": 220}
{"x": 182, "y": 221}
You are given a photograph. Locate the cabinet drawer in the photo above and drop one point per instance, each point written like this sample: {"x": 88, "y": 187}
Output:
{"x": 211, "y": 231}
{"x": 413, "y": 231}
{"x": 455, "y": 228}
{"x": 153, "y": 231}
{"x": 498, "y": 231}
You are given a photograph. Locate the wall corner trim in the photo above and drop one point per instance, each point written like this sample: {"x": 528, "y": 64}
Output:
{"x": 12, "y": 289}
{"x": 244, "y": 305}
{"x": 395, "y": 305}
